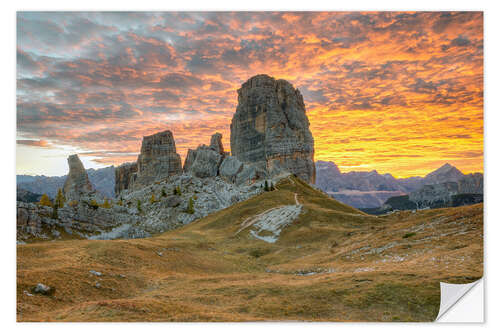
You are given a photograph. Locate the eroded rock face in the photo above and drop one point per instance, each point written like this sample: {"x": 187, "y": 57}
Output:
{"x": 271, "y": 125}
{"x": 188, "y": 162}
{"x": 77, "y": 183}
{"x": 124, "y": 175}
{"x": 216, "y": 143}
{"x": 230, "y": 168}
{"x": 158, "y": 159}
{"x": 205, "y": 160}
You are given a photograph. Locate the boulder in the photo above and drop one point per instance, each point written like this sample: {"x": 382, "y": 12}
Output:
{"x": 173, "y": 201}
{"x": 205, "y": 160}
{"x": 206, "y": 163}
{"x": 42, "y": 289}
{"x": 230, "y": 168}
{"x": 77, "y": 182}
{"x": 270, "y": 125}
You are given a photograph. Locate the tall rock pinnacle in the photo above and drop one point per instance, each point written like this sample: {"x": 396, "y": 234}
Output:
{"x": 158, "y": 159}
{"x": 270, "y": 125}
{"x": 77, "y": 183}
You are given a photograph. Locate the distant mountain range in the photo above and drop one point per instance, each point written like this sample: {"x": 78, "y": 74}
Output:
{"x": 360, "y": 189}
{"x": 369, "y": 189}
{"x": 102, "y": 179}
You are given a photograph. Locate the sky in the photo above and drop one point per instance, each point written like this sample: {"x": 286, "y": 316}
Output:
{"x": 398, "y": 92}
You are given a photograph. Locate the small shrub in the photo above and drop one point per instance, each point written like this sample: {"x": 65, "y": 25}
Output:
{"x": 410, "y": 234}
{"x": 120, "y": 202}
{"x": 93, "y": 204}
{"x": 163, "y": 193}
{"x": 45, "y": 201}
{"x": 152, "y": 200}
{"x": 190, "y": 209}
{"x": 177, "y": 191}
{"x": 266, "y": 187}
{"x": 139, "y": 208}
{"x": 60, "y": 199}
{"x": 106, "y": 204}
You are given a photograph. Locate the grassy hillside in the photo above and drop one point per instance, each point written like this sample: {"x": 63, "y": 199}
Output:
{"x": 333, "y": 263}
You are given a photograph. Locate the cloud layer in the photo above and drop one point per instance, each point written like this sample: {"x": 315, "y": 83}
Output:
{"x": 397, "y": 92}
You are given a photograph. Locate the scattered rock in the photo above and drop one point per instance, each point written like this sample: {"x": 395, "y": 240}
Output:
{"x": 173, "y": 201}
{"x": 95, "y": 273}
{"x": 27, "y": 293}
{"x": 97, "y": 285}
{"x": 42, "y": 289}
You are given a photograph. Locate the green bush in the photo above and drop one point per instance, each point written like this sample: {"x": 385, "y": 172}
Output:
{"x": 190, "y": 209}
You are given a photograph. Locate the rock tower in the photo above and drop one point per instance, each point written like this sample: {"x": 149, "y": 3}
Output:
{"x": 77, "y": 183}
{"x": 270, "y": 125}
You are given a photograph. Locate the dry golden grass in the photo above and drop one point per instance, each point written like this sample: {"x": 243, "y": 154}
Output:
{"x": 368, "y": 268}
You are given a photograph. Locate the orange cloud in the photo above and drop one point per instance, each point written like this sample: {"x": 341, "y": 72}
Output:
{"x": 400, "y": 92}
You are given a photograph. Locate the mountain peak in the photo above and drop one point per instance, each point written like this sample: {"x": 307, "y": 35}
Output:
{"x": 445, "y": 173}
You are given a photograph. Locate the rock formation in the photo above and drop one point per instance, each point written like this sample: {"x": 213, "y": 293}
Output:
{"x": 271, "y": 125}
{"x": 158, "y": 159}
{"x": 124, "y": 176}
{"x": 77, "y": 183}
{"x": 446, "y": 173}
{"x": 230, "y": 168}
{"x": 205, "y": 160}
{"x": 468, "y": 189}
{"x": 216, "y": 143}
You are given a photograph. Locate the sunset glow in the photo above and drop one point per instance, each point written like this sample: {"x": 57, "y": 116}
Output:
{"x": 391, "y": 91}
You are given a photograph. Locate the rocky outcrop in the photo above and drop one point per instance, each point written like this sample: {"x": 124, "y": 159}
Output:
{"x": 77, "y": 182}
{"x": 216, "y": 143}
{"x": 82, "y": 219}
{"x": 27, "y": 196}
{"x": 446, "y": 173}
{"x": 471, "y": 183}
{"x": 230, "y": 168}
{"x": 158, "y": 159}
{"x": 436, "y": 195}
{"x": 188, "y": 162}
{"x": 205, "y": 160}
{"x": 270, "y": 125}
{"x": 124, "y": 175}
{"x": 102, "y": 179}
